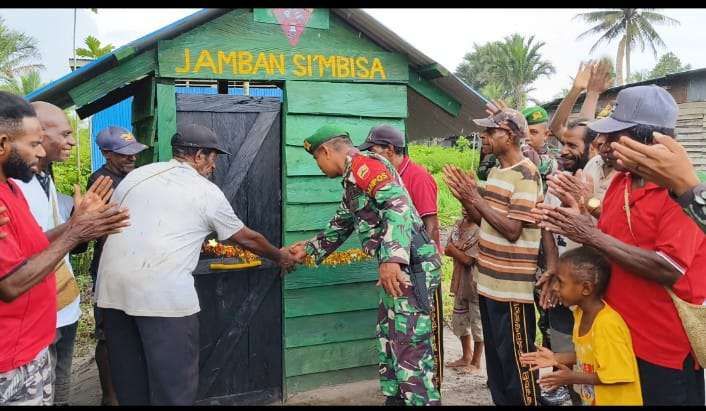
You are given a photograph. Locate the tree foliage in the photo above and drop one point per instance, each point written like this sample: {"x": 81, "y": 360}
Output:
{"x": 18, "y": 54}
{"x": 94, "y": 48}
{"x": 505, "y": 69}
{"x": 667, "y": 64}
{"x": 23, "y": 84}
{"x": 633, "y": 28}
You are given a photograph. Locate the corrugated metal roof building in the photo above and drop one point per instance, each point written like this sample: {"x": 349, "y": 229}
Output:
{"x": 689, "y": 91}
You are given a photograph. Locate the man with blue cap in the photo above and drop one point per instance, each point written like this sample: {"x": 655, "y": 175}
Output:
{"x": 652, "y": 245}
{"x": 120, "y": 149}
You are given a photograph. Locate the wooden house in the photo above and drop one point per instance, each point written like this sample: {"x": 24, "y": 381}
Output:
{"x": 689, "y": 91}
{"x": 264, "y": 338}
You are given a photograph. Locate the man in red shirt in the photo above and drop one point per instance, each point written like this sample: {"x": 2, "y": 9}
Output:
{"x": 389, "y": 142}
{"x": 29, "y": 256}
{"x": 652, "y": 244}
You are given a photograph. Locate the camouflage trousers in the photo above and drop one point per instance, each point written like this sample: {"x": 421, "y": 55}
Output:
{"x": 405, "y": 354}
{"x": 30, "y": 384}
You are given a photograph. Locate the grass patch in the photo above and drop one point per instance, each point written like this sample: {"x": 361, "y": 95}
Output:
{"x": 85, "y": 341}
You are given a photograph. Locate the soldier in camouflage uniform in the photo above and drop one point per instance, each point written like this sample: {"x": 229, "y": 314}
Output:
{"x": 537, "y": 119}
{"x": 376, "y": 206}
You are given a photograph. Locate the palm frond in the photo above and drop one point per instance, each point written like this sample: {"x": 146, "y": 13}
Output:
{"x": 659, "y": 18}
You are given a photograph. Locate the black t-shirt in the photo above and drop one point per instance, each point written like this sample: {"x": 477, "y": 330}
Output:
{"x": 98, "y": 249}
{"x": 561, "y": 319}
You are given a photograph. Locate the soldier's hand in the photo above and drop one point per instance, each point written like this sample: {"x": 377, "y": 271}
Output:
{"x": 298, "y": 251}
{"x": 391, "y": 278}
{"x": 287, "y": 260}
{"x": 3, "y": 220}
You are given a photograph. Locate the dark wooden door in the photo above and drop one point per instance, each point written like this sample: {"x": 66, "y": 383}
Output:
{"x": 241, "y": 311}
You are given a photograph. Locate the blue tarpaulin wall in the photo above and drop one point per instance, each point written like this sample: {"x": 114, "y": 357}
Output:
{"x": 120, "y": 114}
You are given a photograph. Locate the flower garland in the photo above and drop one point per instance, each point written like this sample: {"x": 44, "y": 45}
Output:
{"x": 337, "y": 258}
{"x": 216, "y": 249}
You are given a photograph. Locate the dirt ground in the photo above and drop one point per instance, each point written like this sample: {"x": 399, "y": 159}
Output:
{"x": 457, "y": 389}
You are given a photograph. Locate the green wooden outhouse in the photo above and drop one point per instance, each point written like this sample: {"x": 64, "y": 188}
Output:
{"x": 264, "y": 338}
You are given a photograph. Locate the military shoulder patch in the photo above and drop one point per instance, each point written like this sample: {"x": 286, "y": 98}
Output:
{"x": 369, "y": 174}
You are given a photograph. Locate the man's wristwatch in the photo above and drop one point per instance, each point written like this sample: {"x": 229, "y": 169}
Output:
{"x": 592, "y": 204}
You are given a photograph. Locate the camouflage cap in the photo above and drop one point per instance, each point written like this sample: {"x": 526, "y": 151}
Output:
{"x": 322, "y": 135}
{"x": 501, "y": 118}
{"x": 535, "y": 115}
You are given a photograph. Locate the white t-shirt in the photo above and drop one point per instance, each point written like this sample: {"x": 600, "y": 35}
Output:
{"x": 601, "y": 181}
{"x": 146, "y": 270}
{"x": 42, "y": 210}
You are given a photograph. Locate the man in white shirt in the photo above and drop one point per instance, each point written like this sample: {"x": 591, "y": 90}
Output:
{"x": 43, "y": 200}
{"x": 601, "y": 169}
{"x": 145, "y": 284}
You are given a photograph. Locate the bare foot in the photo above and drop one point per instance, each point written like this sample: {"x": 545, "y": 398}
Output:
{"x": 458, "y": 363}
{"x": 470, "y": 369}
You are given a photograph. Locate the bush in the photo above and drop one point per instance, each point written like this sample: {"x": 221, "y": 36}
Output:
{"x": 433, "y": 158}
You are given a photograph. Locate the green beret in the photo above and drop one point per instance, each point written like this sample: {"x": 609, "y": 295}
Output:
{"x": 535, "y": 115}
{"x": 322, "y": 135}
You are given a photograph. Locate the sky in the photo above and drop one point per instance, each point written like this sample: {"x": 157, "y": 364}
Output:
{"x": 445, "y": 35}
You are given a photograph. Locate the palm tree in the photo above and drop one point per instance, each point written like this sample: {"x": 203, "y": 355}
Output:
{"x": 634, "y": 27}
{"x": 519, "y": 64}
{"x": 17, "y": 52}
{"x": 94, "y": 48}
{"x": 23, "y": 84}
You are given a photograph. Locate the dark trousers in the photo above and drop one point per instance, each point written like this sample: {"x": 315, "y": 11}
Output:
{"x": 508, "y": 330}
{"x": 153, "y": 360}
{"x": 62, "y": 352}
{"x": 667, "y": 386}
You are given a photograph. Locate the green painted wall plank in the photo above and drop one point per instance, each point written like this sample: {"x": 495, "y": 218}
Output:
{"x": 330, "y": 299}
{"x": 307, "y": 382}
{"x": 300, "y": 162}
{"x": 166, "y": 117}
{"x": 433, "y": 93}
{"x": 329, "y": 328}
{"x": 319, "y": 18}
{"x": 300, "y": 126}
{"x": 305, "y": 277}
{"x": 328, "y": 357}
{"x": 128, "y": 71}
{"x": 305, "y": 190}
{"x": 302, "y": 217}
{"x": 336, "y": 54}
{"x": 365, "y": 100}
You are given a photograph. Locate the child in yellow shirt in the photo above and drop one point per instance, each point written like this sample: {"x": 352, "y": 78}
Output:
{"x": 606, "y": 368}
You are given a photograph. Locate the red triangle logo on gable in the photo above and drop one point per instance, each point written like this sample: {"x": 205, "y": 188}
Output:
{"x": 292, "y": 22}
